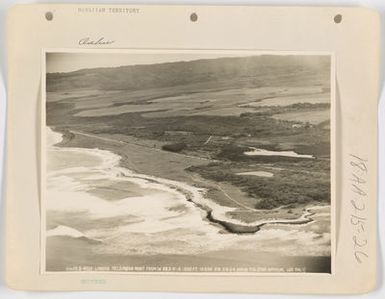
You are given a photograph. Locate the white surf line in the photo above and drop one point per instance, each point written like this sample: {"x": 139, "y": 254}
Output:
{"x": 222, "y": 216}
{"x": 66, "y": 231}
{"x": 63, "y": 230}
{"x": 138, "y": 144}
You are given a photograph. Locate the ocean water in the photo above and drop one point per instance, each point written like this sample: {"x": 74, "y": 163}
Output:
{"x": 122, "y": 213}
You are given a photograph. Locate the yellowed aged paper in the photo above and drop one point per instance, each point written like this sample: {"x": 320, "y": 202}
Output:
{"x": 50, "y": 74}
{"x": 124, "y": 197}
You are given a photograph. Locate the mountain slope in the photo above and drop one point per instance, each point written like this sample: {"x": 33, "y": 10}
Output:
{"x": 263, "y": 70}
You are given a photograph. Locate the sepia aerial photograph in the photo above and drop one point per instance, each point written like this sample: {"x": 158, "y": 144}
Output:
{"x": 187, "y": 161}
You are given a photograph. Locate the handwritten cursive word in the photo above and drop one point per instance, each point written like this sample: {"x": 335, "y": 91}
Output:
{"x": 358, "y": 219}
{"x": 97, "y": 42}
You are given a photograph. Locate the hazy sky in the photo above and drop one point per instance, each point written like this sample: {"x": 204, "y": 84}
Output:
{"x": 68, "y": 62}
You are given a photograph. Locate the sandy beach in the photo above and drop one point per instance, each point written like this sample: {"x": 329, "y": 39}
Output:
{"x": 154, "y": 218}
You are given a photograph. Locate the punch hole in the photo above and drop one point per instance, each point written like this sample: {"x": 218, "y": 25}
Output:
{"x": 338, "y": 19}
{"x": 49, "y": 16}
{"x": 193, "y": 17}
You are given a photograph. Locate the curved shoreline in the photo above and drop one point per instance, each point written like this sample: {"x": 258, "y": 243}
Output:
{"x": 214, "y": 213}
{"x": 230, "y": 225}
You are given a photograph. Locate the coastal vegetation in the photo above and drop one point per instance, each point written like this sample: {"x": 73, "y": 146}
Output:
{"x": 211, "y": 112}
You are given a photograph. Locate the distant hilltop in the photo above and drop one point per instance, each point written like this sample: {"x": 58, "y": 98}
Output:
{"x": 250, "y": 71}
